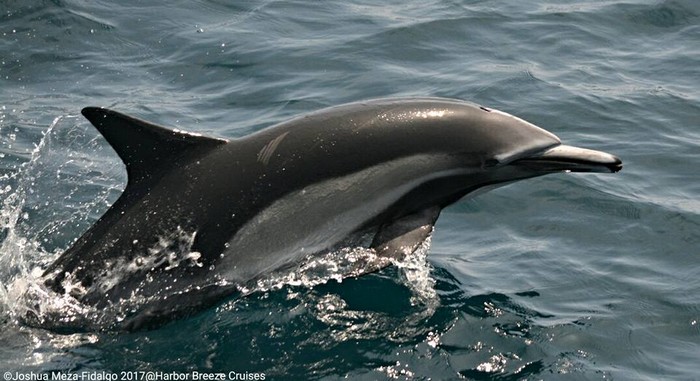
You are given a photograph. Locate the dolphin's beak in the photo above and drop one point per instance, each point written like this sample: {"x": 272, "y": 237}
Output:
{"x": 571, "y": 159}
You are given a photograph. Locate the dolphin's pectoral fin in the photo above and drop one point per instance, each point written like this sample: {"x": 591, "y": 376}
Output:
{"x": 161, "y": 311}
{"x": 144, "y": 147}
{"x": 403, "y": 236}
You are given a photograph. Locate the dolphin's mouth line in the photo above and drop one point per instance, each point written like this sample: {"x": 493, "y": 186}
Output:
{"x": 563, "y": 158}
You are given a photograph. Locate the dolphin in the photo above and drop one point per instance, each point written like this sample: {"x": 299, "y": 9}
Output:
{"x": 201, "y": 216}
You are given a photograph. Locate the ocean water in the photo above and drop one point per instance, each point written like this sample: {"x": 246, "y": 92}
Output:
{"x": 569, "y": 276}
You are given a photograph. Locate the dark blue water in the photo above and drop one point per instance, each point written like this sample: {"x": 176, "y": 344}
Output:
{"x": 590, "y": 277}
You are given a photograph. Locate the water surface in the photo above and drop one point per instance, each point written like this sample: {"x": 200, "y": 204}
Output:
{"x": 562, "y": 277}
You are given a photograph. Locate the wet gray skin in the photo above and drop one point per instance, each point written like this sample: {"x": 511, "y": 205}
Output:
{"x": 200, "y": 215}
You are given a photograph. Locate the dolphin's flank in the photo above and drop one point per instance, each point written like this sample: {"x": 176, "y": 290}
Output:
{"x": 201, "y": 216}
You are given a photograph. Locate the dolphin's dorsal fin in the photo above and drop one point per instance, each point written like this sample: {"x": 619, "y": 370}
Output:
{"x": 145, "y": 148}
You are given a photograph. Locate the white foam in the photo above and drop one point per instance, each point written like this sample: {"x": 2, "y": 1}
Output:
{"x": 41, "y": 202}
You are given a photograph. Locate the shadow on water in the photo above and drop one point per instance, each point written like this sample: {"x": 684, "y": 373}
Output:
{"x": 332, "y": 330}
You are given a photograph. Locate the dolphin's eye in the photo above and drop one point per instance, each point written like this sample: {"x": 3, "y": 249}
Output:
{"x": 485, "y": 109}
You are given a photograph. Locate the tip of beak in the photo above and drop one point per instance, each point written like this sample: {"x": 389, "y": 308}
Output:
{"x": 573, "y": 159}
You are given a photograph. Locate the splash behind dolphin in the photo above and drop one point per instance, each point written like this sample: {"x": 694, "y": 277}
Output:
{"x": 200, "y": 216}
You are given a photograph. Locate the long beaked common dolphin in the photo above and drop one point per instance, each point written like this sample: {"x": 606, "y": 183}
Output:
{"x": 200, "y": 216}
